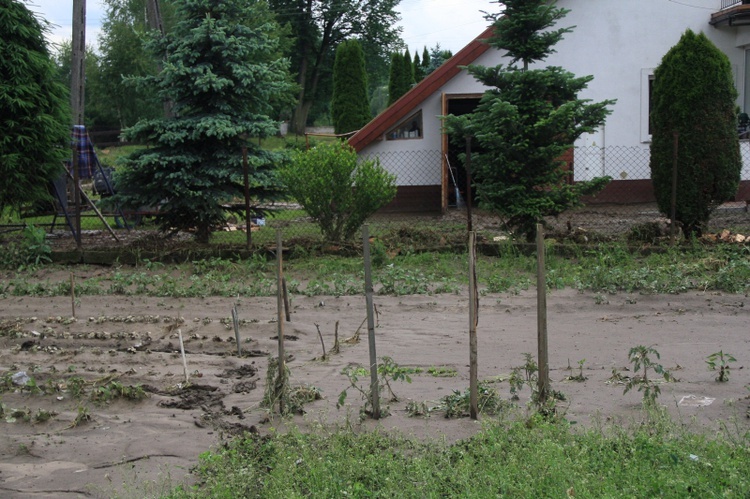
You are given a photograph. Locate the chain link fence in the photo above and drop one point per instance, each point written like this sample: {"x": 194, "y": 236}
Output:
{"x": 425, "y": 202}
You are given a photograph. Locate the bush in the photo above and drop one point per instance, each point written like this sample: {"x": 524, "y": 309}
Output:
{"x": 336, "y": 190}
{"x": 694, "y": 97}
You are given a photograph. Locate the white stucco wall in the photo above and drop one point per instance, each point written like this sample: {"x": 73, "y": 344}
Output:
{"x": 619, "y": 43}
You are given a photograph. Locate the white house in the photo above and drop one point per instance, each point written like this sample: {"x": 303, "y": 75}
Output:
{"x": 619, "y": 42}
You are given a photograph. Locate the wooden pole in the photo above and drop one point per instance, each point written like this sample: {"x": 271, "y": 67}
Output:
{"x": 374, "y": 388}
{"x": 77, "y": 101}
{"x": 473, "y": 321}
{"x": 236, "y": 323}
{"x": 184, "y": 358}
{"x": 673, "y": 201}
{"x": 281, "y": 375}
{"x": 73, "y": 293}
{"x": 248, "y": 221}
{"x": 469, "y": 222}
{"x": 287, "y": 312}
{"x": 541, "y": 296}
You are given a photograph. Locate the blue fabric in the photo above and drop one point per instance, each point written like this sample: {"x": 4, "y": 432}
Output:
{"x": 87, "y": 159}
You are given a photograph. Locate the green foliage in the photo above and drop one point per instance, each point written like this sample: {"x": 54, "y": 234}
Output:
{"x": 721, "y": 360}
{"x": 641, "y": 358}
{"x": 535, "y": 458}
{"x": 350, "y": 107}
{"x": 388, "y": 371}
{"x": 34, "y": 110}
{"x": 458, "y": 404}
{"x": 316, "y": 28}
{"x": 527, "y": 121}
{"x": 336, "y": 190}
{"x": 435, "y": 59}
{"x": 35, "y": 248}
{"x": 397, "y": 80}
{"x": 694, "y": 97}
{"x": 224, "y": 74}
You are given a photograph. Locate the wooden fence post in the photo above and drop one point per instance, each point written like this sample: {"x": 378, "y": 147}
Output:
{"x": 374, "y": 388}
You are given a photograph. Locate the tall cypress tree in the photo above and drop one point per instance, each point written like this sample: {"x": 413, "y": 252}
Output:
{"x": 224, "y": 73}
{"x": 34, "y": 110}
{"x": 527, "y": 120}
{"x": 396, "y": 79}
{"x": 408, "y": 71}
{"x": 350, "y": 108}
{"x": 694, "y": 97}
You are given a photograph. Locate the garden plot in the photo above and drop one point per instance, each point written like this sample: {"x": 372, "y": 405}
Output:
{"x": 105, "y": 409}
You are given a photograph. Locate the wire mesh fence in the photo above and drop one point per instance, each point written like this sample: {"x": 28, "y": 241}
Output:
{"x": 430, "y": 198}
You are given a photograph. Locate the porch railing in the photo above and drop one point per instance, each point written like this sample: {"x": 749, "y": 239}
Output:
{"x": 725, "y": 4}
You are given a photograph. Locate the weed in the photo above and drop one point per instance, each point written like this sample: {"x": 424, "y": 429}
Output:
{"x": 81, "y": 418}
{"x": 416, "y": 409}
{"x": 721, "y": 360}
{"x": 640, "y": 357}
{"x": 42, "y": 416}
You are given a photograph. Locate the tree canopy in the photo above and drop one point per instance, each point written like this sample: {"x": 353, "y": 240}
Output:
{"x": 694, "y": 97}
{"x": 317, "y": 27}
{"x": 224, "y": 74}
{"x": 34, "y": 110}
{"x": 527, "y": 120}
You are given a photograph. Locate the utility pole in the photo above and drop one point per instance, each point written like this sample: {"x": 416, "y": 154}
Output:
{"x": 155, "y": 22}
{"x": 77, "y": 101}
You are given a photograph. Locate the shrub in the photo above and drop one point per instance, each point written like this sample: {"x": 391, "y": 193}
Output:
{"x": 336, "y": 190}
{"x": 694, "y": 96}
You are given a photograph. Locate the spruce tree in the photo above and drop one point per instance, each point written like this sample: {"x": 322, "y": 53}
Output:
{"x": 224, "y": 73}
{"x": 527, "y": 120}
{"x": 34, "y": 110}
{"x": 694, "y": 97}
{"x": 350, "y": 108}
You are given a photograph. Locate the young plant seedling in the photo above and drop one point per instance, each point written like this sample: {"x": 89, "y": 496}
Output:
{"x": 387, "y": 371}
{"x": 578, "y": 377}
{"x": 640, "y": 357}
{"x": 721, "y": 361}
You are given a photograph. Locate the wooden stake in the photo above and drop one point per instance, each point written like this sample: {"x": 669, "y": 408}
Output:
{"x": 184, "y": 358}
{"x": 287, "y": 312}
{"x": 374, "y": 388}
{"x": 336, "y": 347}
{"x": 541, "y": 296}
{"x": 280, "y": 379}
{"x": 236, "y": 322}
{"x": 320, "y": 335}
{"x": 73, "y": 293}
{"x": 473, "y": 320}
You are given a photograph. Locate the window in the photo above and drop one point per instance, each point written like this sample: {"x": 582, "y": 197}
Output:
{"x": 410, "y": 128}
{"x": 647, "y": 88}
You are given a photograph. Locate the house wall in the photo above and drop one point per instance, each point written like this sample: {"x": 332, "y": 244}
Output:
{"x": 620, "y": 43}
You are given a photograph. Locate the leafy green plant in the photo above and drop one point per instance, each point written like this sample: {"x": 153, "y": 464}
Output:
{"x": 721, "y": 360}
{"x": 578, "y": 377}
{"x": 336, "y": 189}
{"x": 641, "y": 358}
{"x": 388, "y": 371}
{"x": 489, "y": 402}
{"x": 115, "y": 390}
{"x": 442, "y": 371}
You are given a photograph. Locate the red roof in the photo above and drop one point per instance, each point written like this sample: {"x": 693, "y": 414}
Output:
{"x": 383, "y": 122}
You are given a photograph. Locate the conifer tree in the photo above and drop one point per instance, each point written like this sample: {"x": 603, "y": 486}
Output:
{"x": 224, "y": 73}
{"x": 350, "y": 108}
{"x": 694, "y": 97}
{"x": 527, "y": 120}
{"x": 34, "y": 110}
{"x": 396, "y": 79}
{"x": 408, "y": 71}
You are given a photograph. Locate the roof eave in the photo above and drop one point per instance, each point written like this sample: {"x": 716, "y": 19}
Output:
{"x": 397, "y": 111}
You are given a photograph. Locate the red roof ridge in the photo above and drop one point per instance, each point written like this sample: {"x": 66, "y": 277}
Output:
{"x": 411, "y": 99}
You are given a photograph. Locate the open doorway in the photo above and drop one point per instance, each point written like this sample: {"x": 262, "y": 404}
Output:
{"x": 454, "y": 169}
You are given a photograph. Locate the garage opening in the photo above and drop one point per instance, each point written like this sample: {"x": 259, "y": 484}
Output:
{"x": 454, "y": 169}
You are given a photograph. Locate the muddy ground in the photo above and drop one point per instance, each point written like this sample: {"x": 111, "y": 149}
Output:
{"x": 114, "y": 446}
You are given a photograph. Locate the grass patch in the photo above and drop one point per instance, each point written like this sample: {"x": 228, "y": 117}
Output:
{"x": 531, "y": 458}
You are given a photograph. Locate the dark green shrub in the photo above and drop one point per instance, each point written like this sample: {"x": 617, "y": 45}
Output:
{"x": 350, "y": 106}
{"x": 694, "y": 97}
{"x": 336, "y": 190}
